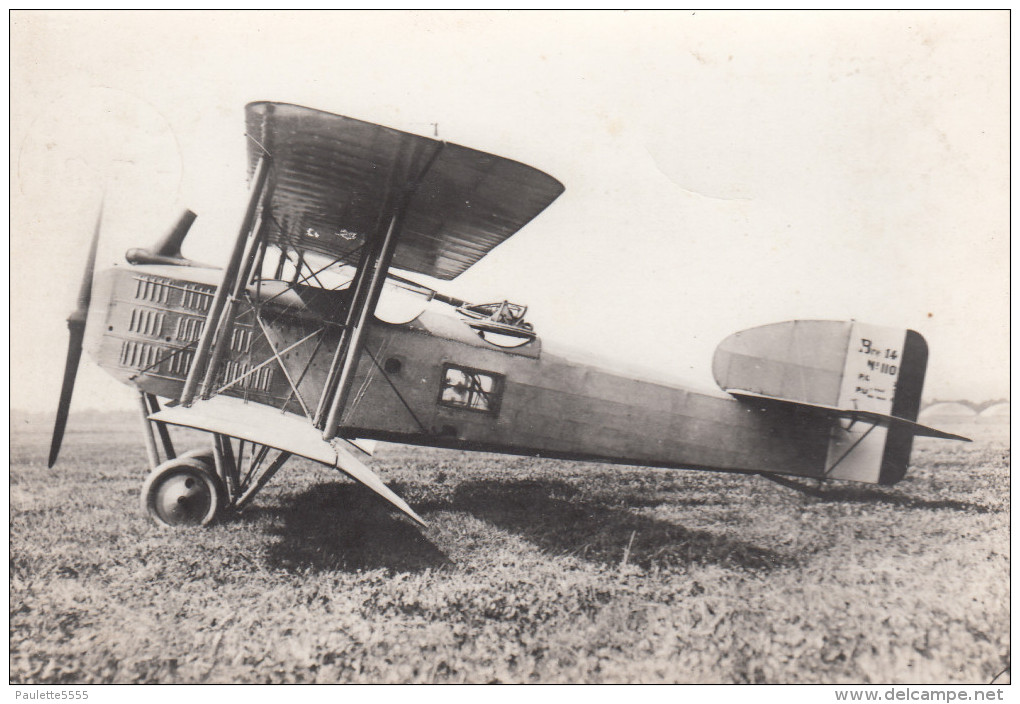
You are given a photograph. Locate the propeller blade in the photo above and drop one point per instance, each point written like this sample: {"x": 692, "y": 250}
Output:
{"x": 76, "y": 326}
{"x": 85, "y": 292}
{"x": 67, "y": 388}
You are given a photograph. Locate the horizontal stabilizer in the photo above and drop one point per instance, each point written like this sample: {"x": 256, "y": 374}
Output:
{"x": 841, "y": 370}
{"x": 872, "y": 417}
{"x": 284, "y": 431}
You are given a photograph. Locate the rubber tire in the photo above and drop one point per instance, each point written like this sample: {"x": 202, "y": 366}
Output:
{"x": 201, "y": 453}
{"x": 209, "y": 490}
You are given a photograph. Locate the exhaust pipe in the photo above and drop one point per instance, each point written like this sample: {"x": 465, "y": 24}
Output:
{"x": 168, "y": 249}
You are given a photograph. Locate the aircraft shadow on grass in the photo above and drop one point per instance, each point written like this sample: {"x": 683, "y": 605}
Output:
{"x": 869, "y": 495}
{"x": 343, "y": 526}
{"x": 550, "y": 514}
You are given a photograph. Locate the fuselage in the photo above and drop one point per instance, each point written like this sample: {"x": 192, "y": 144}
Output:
{"x": 434, "y": 380}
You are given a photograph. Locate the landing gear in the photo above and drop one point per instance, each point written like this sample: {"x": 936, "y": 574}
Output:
{"x": 183, "y": 492}
{"x": 200, "y": 485}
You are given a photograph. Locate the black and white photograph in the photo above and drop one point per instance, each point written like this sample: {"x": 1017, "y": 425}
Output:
{"x": 516, "y": 347}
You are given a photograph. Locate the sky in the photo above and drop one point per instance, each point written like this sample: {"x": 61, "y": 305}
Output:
{"x": 722, "y": 169}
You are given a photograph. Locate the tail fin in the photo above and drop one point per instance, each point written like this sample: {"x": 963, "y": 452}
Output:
{"x": 867, "y": 378}
{"x": 906, "y": 403}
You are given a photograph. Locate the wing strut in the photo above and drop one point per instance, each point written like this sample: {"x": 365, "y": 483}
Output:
{"x": 367, "y": 286}
{"x": 226, "y": 320}
{"x": 227, "y": 285}
{"x": 357, "y": 333}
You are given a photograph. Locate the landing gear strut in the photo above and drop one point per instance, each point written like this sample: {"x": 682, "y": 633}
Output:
{"x": 198, "y": 487}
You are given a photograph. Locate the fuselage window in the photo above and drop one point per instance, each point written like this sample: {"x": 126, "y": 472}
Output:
{"x": 471, "y": 389}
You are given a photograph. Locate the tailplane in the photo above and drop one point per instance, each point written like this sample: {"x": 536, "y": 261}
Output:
{"x": 867, "y": 378}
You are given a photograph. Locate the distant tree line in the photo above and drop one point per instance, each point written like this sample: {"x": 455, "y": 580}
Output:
{"x": 978, "y": 406}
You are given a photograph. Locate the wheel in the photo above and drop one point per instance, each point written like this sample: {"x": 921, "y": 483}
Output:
{"x": 203, "y": 454}
{"x": 183, "y": 492}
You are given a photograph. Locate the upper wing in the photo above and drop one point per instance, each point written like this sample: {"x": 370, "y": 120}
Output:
{"x": 334, "y": 180}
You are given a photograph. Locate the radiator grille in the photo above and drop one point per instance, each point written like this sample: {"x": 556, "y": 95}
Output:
{"x": 152, "y": 290}
{"x": 140, "y": 355}
{"x": 240, "y": 340}
{"x": 147, "y": 322}
{"x": 260, "y": 380}
{"x": 189, "y": 329}
{"x": 196, "y": 297}
{"x": 180, "y": 363}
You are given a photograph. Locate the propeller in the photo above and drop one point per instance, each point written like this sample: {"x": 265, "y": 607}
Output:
{"x": 76, "y": 326}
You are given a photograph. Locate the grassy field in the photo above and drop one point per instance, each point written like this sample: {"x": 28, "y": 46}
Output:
{"x": 531, "y": 571}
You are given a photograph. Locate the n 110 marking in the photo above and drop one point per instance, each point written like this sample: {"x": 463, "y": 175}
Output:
{"x": 868, "y": 348}
{"x": 874, "y": 359}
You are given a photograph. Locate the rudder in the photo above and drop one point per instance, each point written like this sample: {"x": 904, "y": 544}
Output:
{"x": 867, "y": 378}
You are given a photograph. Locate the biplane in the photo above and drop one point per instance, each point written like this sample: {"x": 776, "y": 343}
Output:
{"x": 280, "y": 353}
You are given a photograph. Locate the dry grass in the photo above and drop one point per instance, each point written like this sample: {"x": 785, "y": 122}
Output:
{"x": 532, "y": 571}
